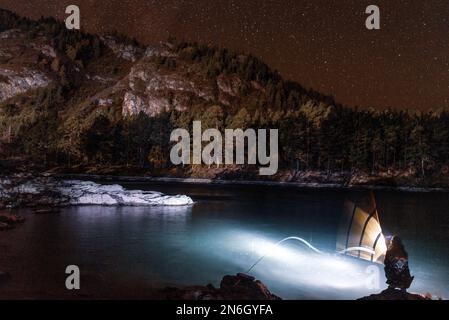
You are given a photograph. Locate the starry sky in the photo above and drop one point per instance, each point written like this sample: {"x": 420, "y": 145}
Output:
{"x": 323, "y": 44}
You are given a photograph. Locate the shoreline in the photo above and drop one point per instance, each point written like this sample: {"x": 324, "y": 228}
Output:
{"x": 61, "y": 189}
{"x": 207, "y": 181}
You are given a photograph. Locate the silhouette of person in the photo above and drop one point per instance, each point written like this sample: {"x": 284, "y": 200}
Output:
{"x": 396, "y": 266}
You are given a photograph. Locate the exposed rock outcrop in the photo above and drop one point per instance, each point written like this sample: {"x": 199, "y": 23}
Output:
{"x": 45, "y": 49}
{"x": 153, "y": 90}
{"x": 14, "y": 83}
{"x": 238, "y": 287}
{"x": 161, "y": 50}
{"x": 133, "y": 104}
{"x": 122, "y": 50}
{"x": 20, "y": 56}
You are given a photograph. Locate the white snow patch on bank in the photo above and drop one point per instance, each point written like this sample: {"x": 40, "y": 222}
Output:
{"x": 48, "y": 191}
{"x": 90, "y": 193}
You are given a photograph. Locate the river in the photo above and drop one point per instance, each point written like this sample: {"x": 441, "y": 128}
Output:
{"x": 128, "y": 252}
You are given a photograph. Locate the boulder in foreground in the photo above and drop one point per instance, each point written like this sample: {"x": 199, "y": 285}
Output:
{"x": 238, "y": 287}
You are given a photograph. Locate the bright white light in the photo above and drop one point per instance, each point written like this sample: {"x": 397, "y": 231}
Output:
{"x": 300, "y": 266}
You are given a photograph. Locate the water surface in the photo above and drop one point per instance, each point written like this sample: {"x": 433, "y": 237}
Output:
{"x": 123, "y": 251}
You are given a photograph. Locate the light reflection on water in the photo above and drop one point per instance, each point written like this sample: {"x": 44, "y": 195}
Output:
{"x": 225, "y": 232}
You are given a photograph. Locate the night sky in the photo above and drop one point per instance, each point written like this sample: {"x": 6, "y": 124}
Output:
{"x": 323, "y": 44}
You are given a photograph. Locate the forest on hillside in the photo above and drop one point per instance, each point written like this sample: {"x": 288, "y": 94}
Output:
{"x": 316, "y": 133}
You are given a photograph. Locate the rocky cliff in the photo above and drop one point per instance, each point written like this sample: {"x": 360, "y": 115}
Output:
{"x": 20, "y": 70}
{"x": 122, "y": 74}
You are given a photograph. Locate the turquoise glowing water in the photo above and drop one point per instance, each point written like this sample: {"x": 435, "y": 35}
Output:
{"x": 124, "y": 251}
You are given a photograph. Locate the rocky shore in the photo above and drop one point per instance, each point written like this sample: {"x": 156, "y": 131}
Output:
{"x": 238, "y": 287}
{"x": 246, "y": 287}
{"x": 232, "y": 287}
{"x": 236, "y": 175}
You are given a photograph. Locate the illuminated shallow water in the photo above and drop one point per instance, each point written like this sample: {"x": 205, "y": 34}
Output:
{"x": 128, "y": 249}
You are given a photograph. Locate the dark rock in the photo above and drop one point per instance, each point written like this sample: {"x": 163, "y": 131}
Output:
{"x": 238, "y": 287}
{"x": 394, "y": 294}
{"x": 243, "y": 287}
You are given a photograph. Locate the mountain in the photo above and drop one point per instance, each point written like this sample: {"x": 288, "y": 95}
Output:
{"x": 48, "y": 71}
{"x": 70, "y": 99}
{"x": 151, "y": 79}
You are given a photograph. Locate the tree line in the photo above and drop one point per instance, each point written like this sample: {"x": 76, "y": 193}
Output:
{"x": 346, "y": 140}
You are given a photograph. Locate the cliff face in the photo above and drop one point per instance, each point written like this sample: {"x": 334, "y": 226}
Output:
{"x": 161, "y": 80}
{"x": 20, "y": 70}
{"x": 153, "y": 90}
{"x": 28, "y": 64}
